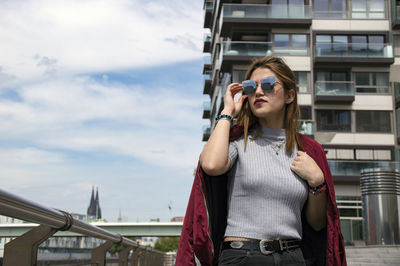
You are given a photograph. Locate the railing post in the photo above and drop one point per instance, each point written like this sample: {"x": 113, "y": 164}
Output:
{"x": 22, "y": 251}
{"x": 135, "y": 257}
{"x": 123, "y": 256}
{"x": 99, "y": 254}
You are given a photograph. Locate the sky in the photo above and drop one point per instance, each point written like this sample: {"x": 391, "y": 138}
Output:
{"x": 104, "y": 93}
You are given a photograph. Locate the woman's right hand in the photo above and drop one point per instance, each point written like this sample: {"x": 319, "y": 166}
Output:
{"x": 231, "y": 107}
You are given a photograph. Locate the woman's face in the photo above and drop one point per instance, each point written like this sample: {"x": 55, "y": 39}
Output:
{"x": 269, "y": 106}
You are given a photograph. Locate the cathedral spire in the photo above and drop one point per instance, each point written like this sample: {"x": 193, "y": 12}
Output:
{"x": 94, "y": 210}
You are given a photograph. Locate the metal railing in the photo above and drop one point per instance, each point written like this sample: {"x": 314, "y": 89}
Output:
{"x": 22, "y": 250}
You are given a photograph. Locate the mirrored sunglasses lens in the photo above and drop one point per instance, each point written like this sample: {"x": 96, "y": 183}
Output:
{"x": 248, "y": 90}
{"x": 249, "y": 86}
{"x": 267, "y": 86}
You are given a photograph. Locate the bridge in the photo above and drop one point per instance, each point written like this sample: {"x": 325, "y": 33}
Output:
{"x": 124, "y": 229}
{"x": 47, "y": 222}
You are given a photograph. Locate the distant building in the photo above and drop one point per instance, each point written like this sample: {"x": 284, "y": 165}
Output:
{"x": 94, "y": 210}
{"x": 4, "y": 240}
{"x": 177, "y": 219}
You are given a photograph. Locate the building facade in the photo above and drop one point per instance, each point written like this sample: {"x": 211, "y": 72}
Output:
{"x": 345, "y": 55}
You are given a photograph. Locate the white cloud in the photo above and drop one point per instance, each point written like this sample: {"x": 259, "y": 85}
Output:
{"x": 82, "y": 114}
{"x": 84, "y": 36}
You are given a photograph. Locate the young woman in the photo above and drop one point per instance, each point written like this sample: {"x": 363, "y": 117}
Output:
{"x": 265, "y": 183}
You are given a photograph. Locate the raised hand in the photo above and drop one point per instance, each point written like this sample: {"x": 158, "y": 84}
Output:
{"x": 231, "y": 107}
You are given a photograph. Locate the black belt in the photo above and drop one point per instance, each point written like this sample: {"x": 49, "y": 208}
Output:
{"x": 264, "y": 246}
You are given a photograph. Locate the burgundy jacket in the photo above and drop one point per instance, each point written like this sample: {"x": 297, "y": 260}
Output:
{"x": 206, "y": 214}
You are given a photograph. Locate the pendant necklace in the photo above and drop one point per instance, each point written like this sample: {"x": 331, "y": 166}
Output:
{"x": 277, "y": 147}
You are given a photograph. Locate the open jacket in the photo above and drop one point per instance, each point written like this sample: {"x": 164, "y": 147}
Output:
{"x": 206, "y": 216}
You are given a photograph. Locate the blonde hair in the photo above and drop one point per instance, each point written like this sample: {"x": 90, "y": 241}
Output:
{"x": 292, "y": 111}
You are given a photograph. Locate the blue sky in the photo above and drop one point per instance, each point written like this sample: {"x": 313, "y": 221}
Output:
{"x": 105, "y": 93}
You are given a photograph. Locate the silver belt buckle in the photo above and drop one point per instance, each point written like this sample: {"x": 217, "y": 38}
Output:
{"x": 262, "y": 248}
{"x": 236, "y": 244}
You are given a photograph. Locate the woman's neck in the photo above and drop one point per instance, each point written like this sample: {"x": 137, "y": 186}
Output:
{"x": 271, "y": 123}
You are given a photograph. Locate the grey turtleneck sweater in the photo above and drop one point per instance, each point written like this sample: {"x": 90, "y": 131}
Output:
{"x": 265, "y": 197}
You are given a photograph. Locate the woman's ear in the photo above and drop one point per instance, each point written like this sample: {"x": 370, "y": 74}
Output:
{"x": 289, "y": 96}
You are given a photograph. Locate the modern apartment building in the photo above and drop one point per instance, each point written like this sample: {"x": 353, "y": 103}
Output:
{"x": 346, "y": 57}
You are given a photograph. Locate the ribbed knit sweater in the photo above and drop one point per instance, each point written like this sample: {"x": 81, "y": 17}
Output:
{"x": 265, "y": 197}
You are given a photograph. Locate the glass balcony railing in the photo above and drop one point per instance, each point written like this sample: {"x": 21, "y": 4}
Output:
{"x": 207, "y": 60}
{"x": 266, "y": 11}
{"x": 207, "y": 106}
{"x": 306, "y": 127}
{"x": 258, "y": 49}
{"x": 334, "y": 88}
{"x": 206, "y": 130}
{"x": 290, "y": 51}
{"x": 353, "y": 168}
{"x": 207, "y": 37}
{"x": 208, "y": 6}
{"x": 370, "y": 50}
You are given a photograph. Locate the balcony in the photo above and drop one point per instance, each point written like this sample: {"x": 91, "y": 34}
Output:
{"x": 262, "y": 16}
{"x": 206, "y": 133}
{"x": 206, "y": 109}
{"x": 350, "y": 170}
{"x": 208, "y": 8}
{"x": 207, "y": 43}
{"x": 334, "y": 92}
{"x": 242, "y": 52}
{"x": 396, "y": 17}
{"x": 207, "y": 64}
{"x": 207, "y": 84}
{"x": 306, "y": 127}
{"x": 378, "y": 53}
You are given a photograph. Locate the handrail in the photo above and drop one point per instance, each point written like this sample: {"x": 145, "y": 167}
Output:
{"x": 19, "y": 208}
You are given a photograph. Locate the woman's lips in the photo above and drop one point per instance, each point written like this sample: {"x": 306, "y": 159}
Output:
{"x": 259, "y": 101}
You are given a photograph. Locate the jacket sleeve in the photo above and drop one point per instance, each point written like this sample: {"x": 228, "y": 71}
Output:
{"x": 185, "y": 254}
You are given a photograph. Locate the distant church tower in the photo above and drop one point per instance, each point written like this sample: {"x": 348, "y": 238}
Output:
{"x": 94, "y": 210}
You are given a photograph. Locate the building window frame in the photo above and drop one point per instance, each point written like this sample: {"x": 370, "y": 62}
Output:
{"x": 336, "y": 120}
{"x": 370, "y": 87}
{"x": 375, "y": 121}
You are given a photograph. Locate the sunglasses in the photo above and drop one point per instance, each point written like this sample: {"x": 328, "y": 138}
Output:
{"x": 250, "y": 86}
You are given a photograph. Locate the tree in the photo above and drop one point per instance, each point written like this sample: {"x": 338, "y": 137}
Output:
{"x": 118, "y": 247}
{"x": 166, "y": 244}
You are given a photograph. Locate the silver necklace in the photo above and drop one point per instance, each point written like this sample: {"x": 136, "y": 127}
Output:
{"x": 277, "y": 148}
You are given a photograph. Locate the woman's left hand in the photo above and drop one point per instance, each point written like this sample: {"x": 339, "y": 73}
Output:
{"x": 305, "y": 166}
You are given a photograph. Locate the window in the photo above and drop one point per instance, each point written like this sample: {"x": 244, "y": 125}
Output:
{"x": 373, "y": 121}
{"x": 368, "y": 9}
{"x": 334, "y": 120}
{"x": 292, "y": 44}
{"x": 302, "y": 81}
{"x": 396, "y": 44}
{"x": 305, "y": 112}
{"x": 372, "y": 82}
{"x": 330, "y": 8}
{"x": 281, "y": 40}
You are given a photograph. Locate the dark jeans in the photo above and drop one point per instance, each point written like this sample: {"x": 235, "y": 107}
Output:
{"x": 239, "y": 257}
